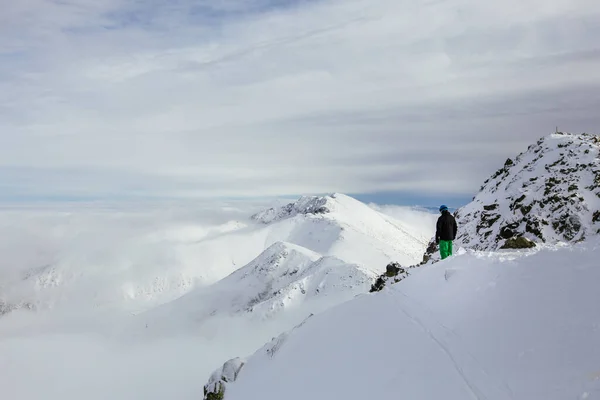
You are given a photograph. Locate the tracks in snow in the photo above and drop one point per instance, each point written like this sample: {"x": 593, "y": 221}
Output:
{"x": 478, "y": 382}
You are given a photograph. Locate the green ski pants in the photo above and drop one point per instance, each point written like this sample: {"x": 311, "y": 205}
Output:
{"x": 445, "y": 248}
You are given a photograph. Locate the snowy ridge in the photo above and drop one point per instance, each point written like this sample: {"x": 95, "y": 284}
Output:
{"x": 481, "y": 325}
{"x": 282, "y": 278}
{"x": 349, "y": 230}
{"x": 547, "y": 194}
{"x": 286, "y": 275}
{"x": 304, "y": 205}
{"x": 336, "y": 247}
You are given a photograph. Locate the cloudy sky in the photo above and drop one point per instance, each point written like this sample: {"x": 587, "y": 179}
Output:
{"x": 400, "y": 100}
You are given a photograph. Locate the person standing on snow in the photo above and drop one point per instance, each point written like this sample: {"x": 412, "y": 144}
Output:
{"x": 445, "y": 232}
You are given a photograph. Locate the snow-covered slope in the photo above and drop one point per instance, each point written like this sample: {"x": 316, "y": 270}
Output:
{"x": 336, "y": 247}
{"x": 285, "y": 277}
{"x": 549, "y": 193}
{"x": 494, "y": 326}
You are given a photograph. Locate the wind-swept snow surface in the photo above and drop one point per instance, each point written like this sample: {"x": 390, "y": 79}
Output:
{"x": 494, "y": 326}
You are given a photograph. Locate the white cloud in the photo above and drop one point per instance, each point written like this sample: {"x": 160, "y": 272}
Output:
{"x": 246, "y": 98}
{"x": 111, "y": 238}
{"x": 420, "y": 221}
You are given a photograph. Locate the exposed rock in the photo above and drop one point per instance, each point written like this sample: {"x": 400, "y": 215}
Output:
{"x": 432, "y": 248}
{"x": 568, "y": 225}
{"x": 6, "y": 307}
{"x": 392, "y": 269}
{"x": 215, "y": 388}
{"x": 305, "y": 205}
{"x": 506, "y": 232}
{"x": 515, "y": 204}
{"x": 487, "y": 221}
{"x": 518, "y": 243}
{"x": 394, "y": 273}
{"x": 533, "y": 226}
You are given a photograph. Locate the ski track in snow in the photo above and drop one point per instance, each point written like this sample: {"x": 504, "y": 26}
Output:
{"x": 455, "y": 353}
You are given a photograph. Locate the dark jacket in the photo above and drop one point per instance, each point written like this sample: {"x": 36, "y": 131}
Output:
{"x": 445, "y": 227}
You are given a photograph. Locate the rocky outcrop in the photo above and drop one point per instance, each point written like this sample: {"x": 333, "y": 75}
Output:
{"x": 547, "y": 194}
{"x": 305, "y": 205}
{"x": 394, "y": 273}
{"x": 518, "y": 243}
{"x": 6, "y": 307}
{"x": 215, "y": 388}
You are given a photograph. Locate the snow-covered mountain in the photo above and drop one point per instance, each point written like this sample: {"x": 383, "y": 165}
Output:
{"x": 321, "y": 251}
{"x": 547, "y": 194}
{"x": 340, "y": 226}
{"x": 332, "y": 248}
{"x": 305, "y": 205}
{"x": 494, "y": 326}
{"x": 140, "y": 270}
{"x": 285, "y": 278}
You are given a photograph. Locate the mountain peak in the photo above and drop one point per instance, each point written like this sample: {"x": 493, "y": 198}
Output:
{"x": 275, "y": 257}
{"x": 305, "y": 205}
{"x": 284, "y": 276}
{"x": 549, "y": 193}
{"x": 329, "y": 224}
